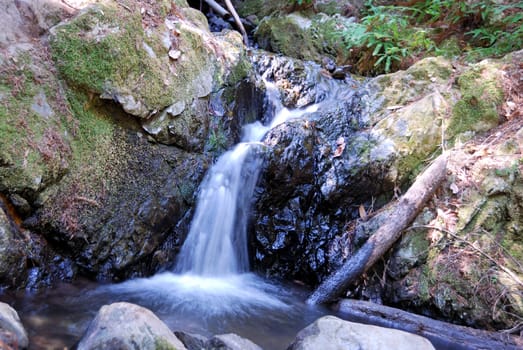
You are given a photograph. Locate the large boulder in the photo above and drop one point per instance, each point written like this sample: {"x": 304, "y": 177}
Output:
{"x": 106, "y": 133}
{"x": 12, "y": 332}
{"x": 281, "y": 33}
{"x": 332, "y": 333}
{"x": 127, "y": 326}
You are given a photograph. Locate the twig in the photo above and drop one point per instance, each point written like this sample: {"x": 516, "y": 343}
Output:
{"x": 506, "y": 270}
{"x": 238, "y": 21}
{"x": 218, "y": 9}
{"x": 87, "y": 200}
{"x": 125, "y": 6}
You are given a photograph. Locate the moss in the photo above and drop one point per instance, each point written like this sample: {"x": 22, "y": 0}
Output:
{"x": 481, "y": 95}
{"x": 34, "y": 133}
{"x": 163, "y": 344}
{"x": 260, "y": 8}
{"x": 431, "y": 68}
{"x": 101, "y": 51}
{"x": 280, "y": 34}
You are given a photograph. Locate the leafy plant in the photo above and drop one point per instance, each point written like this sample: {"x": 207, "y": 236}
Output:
{"x": 390, "y": 37}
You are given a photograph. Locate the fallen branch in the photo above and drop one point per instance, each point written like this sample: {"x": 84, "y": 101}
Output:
{"x": 220, "y": 11}
{"x": 403, "y": 213}
{"x": 238, "y": 21}
{"x": 442, "y": 334}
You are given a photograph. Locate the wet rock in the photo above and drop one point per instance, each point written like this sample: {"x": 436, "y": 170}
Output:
{"x": 12, "y": 332}
{"x": 127, "y": 326}
{"x": 330, "y": 332}
{"x": 350, "y": 156}
{"x": 191, "y": 341}
{"x": 230, "y": 342}
{"x": 12, "y": 253}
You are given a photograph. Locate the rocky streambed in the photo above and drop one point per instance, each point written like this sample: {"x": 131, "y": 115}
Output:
{"x": 111, "y": 114}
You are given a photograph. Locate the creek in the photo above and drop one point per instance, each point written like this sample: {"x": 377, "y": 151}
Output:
{"x": 211, "y": 290}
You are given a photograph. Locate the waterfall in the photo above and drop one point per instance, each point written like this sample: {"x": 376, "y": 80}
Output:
{"x": 217, "y": 240}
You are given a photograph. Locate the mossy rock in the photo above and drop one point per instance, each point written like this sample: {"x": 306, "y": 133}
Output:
{"x": 481, "y": 95}
{"x": 107, "y": 51}
{"x": 35, "y": 124}
{"x": 398, "y": 89}
{"x": 300, "y": 35}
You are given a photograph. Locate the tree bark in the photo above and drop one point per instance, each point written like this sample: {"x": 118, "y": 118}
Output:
{"x": 442, "y": 334}
{"x": 404, "y": 212}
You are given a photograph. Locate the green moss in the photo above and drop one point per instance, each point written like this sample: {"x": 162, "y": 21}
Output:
{"x": 163, "y": 344}
{"x": 280, "y": 34}
{"x": 102, "y": 51}
{"x": 33, "y": 136}
{"x": 260, "y": 8}
{"x": 481, "y": 95}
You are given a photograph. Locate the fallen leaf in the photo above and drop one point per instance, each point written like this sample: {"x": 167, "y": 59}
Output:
{"x": 363, "y": 213}
{"x": 340, "y": 147}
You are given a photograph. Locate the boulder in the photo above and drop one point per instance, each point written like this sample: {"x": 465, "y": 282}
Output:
{"x": 230, "y": 342}
{"x": 127, "y": 326}
{"x": 330, "y": 332}
{"x": 12, "y": 332}
{"x": 161, "y": 72}
{"x": 12, "y": 253}
{"x": 281, "y": 33}
{"x": 128, "y": 110}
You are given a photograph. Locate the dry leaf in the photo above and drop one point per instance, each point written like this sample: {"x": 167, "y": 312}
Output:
{"x": 340, "y": 147}
{"x": 363, "y": 213}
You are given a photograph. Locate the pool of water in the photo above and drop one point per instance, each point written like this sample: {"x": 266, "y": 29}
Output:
{"x": 268, "y": 313}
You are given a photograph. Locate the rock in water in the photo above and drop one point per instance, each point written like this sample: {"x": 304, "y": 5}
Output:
{"x": 330, "y": 333}
{"x": 127, "y": 326}
{"x": 230, "y": 342}
{"x": 12, "y": 332}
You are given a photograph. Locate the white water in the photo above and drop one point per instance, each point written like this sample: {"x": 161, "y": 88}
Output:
{"x": 217, "y": 241}
{"x": 211, "y": 278}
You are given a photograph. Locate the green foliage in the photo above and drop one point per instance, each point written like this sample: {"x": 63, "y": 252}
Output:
{"x": 391, "y": 37}
{"x": 217, "y": 141}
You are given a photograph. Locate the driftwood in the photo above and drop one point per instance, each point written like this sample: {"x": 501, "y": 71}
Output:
{"x": 238, "y": 21}
{"x": 403, "y": 213}
{"x": 220, "y": 11}
{"x": 443, "y": 335}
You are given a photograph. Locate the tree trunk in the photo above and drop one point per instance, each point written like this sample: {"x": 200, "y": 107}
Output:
{"x": 403, "y": 213}
{"x": 442, "y": 334}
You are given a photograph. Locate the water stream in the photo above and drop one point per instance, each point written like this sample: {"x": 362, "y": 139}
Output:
{"x": 211, "y": 290}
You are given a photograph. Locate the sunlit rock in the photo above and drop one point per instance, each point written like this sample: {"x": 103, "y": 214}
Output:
{"x": 12, "y": 332}
{"x": 332, "y": 333}
{"x": 127, "y": 326}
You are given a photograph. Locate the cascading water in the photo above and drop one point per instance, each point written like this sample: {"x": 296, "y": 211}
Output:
{"x": 211, "y": 290}
{"x": 217, "y": 241}
{"x": 211, "y": 277}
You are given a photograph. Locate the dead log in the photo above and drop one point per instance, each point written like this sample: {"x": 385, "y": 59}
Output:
{"x": 403, "y": 213}
{"x": 238, "y": 21}
{"x": 220, "y": 11}
{"x": 443, "y": 335}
